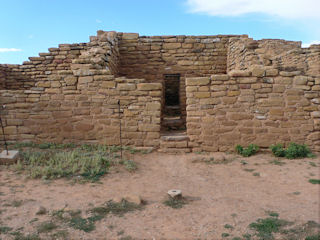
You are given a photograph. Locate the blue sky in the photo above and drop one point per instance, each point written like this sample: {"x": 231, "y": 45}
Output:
{"x": 32, "y": 26}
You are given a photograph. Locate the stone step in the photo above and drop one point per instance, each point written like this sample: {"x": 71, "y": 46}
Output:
{"x": 174, "y": 137}
{"x": 173, "y": 144}
{"x": 172, "y": 122}
{"x": 174, "y": 150}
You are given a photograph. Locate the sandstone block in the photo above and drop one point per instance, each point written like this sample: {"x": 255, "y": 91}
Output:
{"x": 130, "y": 36}
{"x": 233, "y": 93}
{"x": 10, "y": 130}
{"x": 109, "y": 84}
{"x": 202, "y": 94}
{"x": 248, "y": 80}
{"x": 171, "y": 45}
{"x": 55, "y": 84}
{"x": 240, "y": 116}
{"x": 149, "y": 86}
{"x": 229, "y": 100}
{"x": 300, "y": 80}
{"x": 198, "y": 81}
{"x": 153, "y": 106}
{"x": 84, "y": 126}
{"x": 220, "y": 77}
{"x": 272, "y": 72}
{"x": 316, "y": 88}
{"x": 240, "y": 73}
{"x": 70, "y": 80}
{"x": 149, "y": 128}
{"x": 126, "y": 86}
{"x": 314, "y": 136}
{"x": 258, "y": 72}
{"x": 315, "y": 114}
{"x": 276, "y": 112}
{"x": 85, "y": 80}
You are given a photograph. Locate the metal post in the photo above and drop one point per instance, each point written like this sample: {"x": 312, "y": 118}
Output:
{"x": 120, "y": 129}
{"x": 4, "y": 137}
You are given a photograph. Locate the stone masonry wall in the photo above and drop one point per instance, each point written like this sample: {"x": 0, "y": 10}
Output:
{"x": 246, "y": 52}
{"x": 75, "y": 95}
{"x": 89, "y": 113}
{"x": 234, "y": 90}
{"x": 263, "y": 106}
{"x": 152, "y": 57}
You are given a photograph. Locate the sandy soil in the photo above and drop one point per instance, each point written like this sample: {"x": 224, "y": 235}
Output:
{"x": 218, "y": 194}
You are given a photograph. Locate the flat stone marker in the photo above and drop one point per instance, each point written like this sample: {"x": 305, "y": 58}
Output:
{"x": 9, "y": 158}
{"x": 175, "y": 193}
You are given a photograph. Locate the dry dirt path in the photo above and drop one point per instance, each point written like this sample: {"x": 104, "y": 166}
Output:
{"x": 218, "y": 194}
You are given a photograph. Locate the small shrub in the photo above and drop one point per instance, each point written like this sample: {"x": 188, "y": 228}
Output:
{"x": 130, "y": 165}
{"x": 293, "y": 151}
{"x": 5, "y": 229}
{"x": 228, "y": 226}
{"x": 278, "y": 150}
{"x": 175, "y": 203}
{"x": 297, "y": 151}
{"x": 313, "y": 237}
{"x": 82, "y": 224}
{"x": 265, "y": 227}
{"x": 46, "y": 227}
{"x": 247, "y": 152}
{"x": 314, "y": 181}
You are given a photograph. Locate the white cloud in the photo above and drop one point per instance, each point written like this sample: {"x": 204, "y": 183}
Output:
{"x": 289, "y": 9}
{"x": 305, "y": 45}
{"x": 98, "y": 21}
{"x": 30, "y": 36}
{"x": 10, "y": 50}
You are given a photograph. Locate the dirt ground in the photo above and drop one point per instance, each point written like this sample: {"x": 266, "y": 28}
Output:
{"x": 236, "y": 191}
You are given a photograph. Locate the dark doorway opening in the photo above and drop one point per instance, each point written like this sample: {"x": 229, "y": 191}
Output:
{"x": 171, "y": 118}
{"x": 171, "y": 94}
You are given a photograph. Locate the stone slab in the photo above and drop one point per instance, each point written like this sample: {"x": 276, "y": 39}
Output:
{"x": 10, "y": 157}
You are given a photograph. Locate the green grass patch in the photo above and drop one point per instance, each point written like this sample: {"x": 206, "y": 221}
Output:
{"x": 224, "y": 235}
{"x": 20, "y": 236}
{"x": 266, "y": 227}
{"x": 314, "y": 181}
{"x": 247, "y": 152}
{"x": 277, "y": 162}
{"x": 74, "y": 219}
{"x": 313, "y": 237}
{"x": 313, "y": 164}
{"x": 58, "y": 164}
{"x": 228, "y": 226}
{"x": 46, "y": 227}
{"x": 175, "y": 203}
{"x": 130, "y": 165}
{"x": 293, "y": 151}
{"x": 5, "y": 229}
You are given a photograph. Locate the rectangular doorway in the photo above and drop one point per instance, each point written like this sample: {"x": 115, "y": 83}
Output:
{"x": 171, "y": 117}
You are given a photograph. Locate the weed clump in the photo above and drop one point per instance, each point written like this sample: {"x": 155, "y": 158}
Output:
{"x": 53, "y": 165}
{"x": 265, "y": 227}
{"x": 314, "y": 181}
{"x": 293, "y": 151}
{"x": 175, "y": 203}
{"x": 247, "y": 152}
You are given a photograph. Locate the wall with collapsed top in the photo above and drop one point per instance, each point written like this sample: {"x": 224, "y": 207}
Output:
{"x": 271, "y": 94}
{"x": 75, "y": 96}
{"x": 238, "y": 91}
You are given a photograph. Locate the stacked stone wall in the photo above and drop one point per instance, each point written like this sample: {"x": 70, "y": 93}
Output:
{"x": 87, "y": 114}
{"x": 234, "y": 90}
{"x": 246, "y": 52}
{"x": 262, "y": 106}
{"x": 152, "y": 57}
